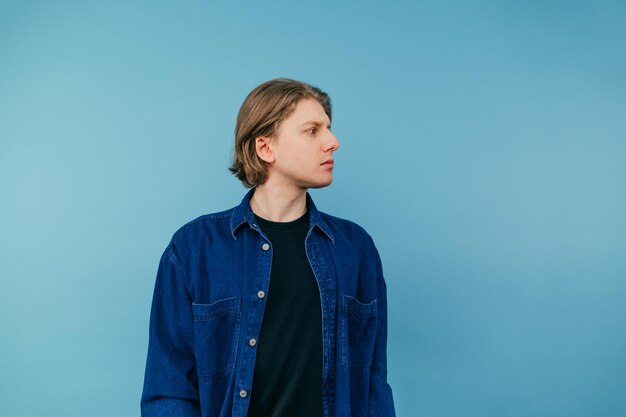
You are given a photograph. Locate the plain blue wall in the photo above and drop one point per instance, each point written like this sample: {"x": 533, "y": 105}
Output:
{"x": 483, "y": 147}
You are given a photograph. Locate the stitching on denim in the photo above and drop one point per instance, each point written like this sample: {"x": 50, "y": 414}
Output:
{"x": 360, "y": 310}
{"x": 212, "y": 216}
{"x": 361, "y": 314}
{"x": 204, "y": 217}
{"x": 173, "y": 258}
{"x": 218, "y": 374}
{"x": 344, "y": 348}
{"x": 217, "y": 314}
{"x": 358, "y": 369}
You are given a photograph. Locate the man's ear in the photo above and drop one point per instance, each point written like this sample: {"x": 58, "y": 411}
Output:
{"x": 264, "y": 149}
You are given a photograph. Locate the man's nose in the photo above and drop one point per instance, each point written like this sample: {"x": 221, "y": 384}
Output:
{"x": 333, "y": 142}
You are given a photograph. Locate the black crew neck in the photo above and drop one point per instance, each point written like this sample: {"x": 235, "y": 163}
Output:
{"x": 287, "y": 379}
{"x": 300, "y": 223}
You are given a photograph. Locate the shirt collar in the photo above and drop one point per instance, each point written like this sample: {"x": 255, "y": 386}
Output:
{"x": 243, "y": 213}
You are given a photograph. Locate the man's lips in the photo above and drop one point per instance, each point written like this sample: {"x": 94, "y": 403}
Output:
{"x": 329, "y": 162}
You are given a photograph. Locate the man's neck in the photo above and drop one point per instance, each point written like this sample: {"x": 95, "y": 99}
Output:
{"x": 278, "y": 204}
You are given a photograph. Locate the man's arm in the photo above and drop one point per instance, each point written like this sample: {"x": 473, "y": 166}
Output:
{"x": 380, "y": 396}
{"x": 171, "y": 383}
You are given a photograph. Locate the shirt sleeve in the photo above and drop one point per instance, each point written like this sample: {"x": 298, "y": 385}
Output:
{"x": 380, "y": 395}
{"x": 171, "y": 382}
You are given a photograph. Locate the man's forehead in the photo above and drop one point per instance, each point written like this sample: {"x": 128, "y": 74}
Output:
{"x": 309, "y": 111}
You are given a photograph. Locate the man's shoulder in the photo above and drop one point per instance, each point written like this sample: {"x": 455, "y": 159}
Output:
{"x": 345, "y": 228}
{"x": 209, "y": 223}
{"x": 216, "y": 217}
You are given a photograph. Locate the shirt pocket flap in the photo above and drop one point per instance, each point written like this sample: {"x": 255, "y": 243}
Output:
{"x": 220, "y": 308}
{"x": 358, "y": 309}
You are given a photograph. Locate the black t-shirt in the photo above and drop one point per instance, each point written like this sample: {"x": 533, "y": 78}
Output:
{"x": 288, "y": 370}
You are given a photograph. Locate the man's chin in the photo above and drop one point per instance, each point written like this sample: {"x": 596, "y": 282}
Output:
{"x": 321, "y": 185}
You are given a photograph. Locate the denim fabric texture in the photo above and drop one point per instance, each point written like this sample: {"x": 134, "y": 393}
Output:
{"x": 209, "y": 297}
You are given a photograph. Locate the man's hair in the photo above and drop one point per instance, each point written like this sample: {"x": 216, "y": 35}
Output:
{"x": 260, "y": 115}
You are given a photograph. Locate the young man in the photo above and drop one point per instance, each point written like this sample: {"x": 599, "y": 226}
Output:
{"x": 271, "y": 308}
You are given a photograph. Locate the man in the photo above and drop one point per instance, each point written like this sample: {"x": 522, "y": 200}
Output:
{"x": 271, "y": 308}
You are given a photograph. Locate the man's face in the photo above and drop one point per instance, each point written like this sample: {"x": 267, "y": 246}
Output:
{"x": 303, "y": 148}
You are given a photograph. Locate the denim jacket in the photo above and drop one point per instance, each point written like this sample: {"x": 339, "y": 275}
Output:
{"x": 209, "y": 297}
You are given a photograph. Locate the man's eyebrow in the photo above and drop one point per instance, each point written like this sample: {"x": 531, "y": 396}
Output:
{"x": 314, "y": 123}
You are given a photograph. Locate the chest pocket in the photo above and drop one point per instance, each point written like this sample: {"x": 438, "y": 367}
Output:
{"x": 216, "y": 335}
{"x": 358, "y": 332}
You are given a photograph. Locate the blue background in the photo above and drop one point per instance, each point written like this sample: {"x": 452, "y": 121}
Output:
{"x": 483, "y": 147}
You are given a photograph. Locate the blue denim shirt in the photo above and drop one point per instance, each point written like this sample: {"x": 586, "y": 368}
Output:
{"x": 209, "y": 297}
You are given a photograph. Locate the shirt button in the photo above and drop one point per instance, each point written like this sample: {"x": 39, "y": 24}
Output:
{"x": 252, "y": 342}
{"x": 265, "y": 246}
{"x": 261, "y": 294}
{"x": 243, "y": 393}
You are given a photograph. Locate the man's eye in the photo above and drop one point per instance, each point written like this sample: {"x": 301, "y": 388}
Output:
{"x": 312, "y": 130}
